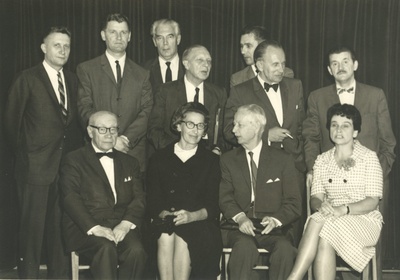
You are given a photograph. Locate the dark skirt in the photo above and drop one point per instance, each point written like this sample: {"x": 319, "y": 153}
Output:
{"x": 205, "y": 246}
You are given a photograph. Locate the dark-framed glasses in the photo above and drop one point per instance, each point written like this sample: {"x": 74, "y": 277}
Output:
{"x": 191, "y": 125}
{"x": 103, "y": 130}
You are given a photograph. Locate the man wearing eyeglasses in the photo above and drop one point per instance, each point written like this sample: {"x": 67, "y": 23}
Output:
{"x": 104, "y": 203}
{"x": 193, "y": 87}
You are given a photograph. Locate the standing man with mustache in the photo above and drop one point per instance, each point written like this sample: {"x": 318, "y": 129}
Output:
{"x": 377, "y": 133}
{"x": 191, "y": 88}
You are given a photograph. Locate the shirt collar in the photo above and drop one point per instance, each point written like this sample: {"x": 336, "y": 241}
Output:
{"x": 49, "y": 69}
{"x": 352, "y": 85}
{"x": 97, "y": 150}
{"x": 191, "y": 87}
{"x": 174, "y": 61}
{"x": 256, "y": 150}
{"x": 112, "y": 59}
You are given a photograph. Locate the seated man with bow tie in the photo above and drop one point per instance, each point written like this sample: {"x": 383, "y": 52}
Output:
{"x": 104, "y": 203}
{"x": 269, "y": 197}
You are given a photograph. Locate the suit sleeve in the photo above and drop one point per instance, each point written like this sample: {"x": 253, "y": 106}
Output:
{"x": 156, "y": 133}
{"x": 14, "y": 110}
{"x": 227, "y": 203}
{"x": 221, "y": 143}
{"x": 290, "y": 208}
{"x": 295, "y": 146}
{"x": 85, "y": 96}
{"x": 70, "y": 184}
{"x": 212, "y": 190}
{"x": 138, "y": 128}
{"x": 136, "y": 208}
{"x": 231, "y": 107}
{"x": 311, "y": 133}
{"x": 155, "y": 201}
{"x": 387, "y": 140}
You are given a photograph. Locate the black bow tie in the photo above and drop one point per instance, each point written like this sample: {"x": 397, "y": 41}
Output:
{"x": 349, "y": 90}
{"x": 268, "y": 86}
{"x": 100, "y": 155}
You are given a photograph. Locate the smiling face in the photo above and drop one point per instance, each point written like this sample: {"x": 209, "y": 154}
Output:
{"x": 197, "y": 65}
{"x": 272, "y": 65}
{"x": 56, "y": 48}
{"x": 116, "y": 35}
{"x": 342, "y": 67}
{"x": 166, "y": 40}
{"x": 342, "y": 130}
{"x": 190, "y": 137}
{"x": 248, "y": 44}
{"x": 105, "y": 141}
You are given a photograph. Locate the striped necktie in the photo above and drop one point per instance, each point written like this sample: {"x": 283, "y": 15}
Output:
{"x": 62, "y": 96}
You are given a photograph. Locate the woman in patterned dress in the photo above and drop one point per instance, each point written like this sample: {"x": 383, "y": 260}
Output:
{"x": 182, "y": 196}
{"x": 347, "y": 186}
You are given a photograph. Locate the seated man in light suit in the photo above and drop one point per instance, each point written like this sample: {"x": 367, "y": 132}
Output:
{"x": 104, "y": 203}
{"x": 250, "y": 37}
{"x": 271, "y": 196}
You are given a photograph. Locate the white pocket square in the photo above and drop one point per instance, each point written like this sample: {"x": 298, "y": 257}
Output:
{"x": 297, "y": 106}
{"x": 277, "y": 180}
{"x": 269, "y": 181}
{"x": 128, "y": 179}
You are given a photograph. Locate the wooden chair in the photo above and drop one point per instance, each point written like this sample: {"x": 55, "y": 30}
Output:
{"x": 365, "y": 273}
{"x": 226, "y": 252}
{"x": 75, "y": 265}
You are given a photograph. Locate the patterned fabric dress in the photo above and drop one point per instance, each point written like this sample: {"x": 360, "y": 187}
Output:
{"x": 352, "y": 236}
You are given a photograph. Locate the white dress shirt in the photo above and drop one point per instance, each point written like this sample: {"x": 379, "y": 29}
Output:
{"x": 53, "y": 76}
{"x": 347, "y": 97}
{"x": 276, "y": 100}
{"x": 113, "y": 65}
{"x": 174, "y": 66}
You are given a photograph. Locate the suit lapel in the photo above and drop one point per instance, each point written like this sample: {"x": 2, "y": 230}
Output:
{"x": 285, "y": 100}
{"x": 360, "y": 102}
{"x": 117, "y": 175}
{"x": 262, "y": 165}
{"x": 244, "y": 167}
{"x": 181, "y": 92}
{"x": 105, "y": 65}
{"x": 264, "y": 100}
{"x": 332, "y": 97}
{"x": 157, "y": 72}
{"x": 50, "y": 90}
{"x": 69, "y": 96}
{"x": 250, "y": 73}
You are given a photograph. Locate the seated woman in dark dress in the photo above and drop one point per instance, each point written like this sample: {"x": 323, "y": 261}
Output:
{"x": 182, "y": 187}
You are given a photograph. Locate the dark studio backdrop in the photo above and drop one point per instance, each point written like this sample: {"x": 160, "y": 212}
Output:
{"x": 306, "y": 29}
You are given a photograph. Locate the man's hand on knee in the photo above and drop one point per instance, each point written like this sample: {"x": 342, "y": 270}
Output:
{"x": 121, "y": 230}
{"x": 246, "y": 225}
{"x": 105, "y": 232}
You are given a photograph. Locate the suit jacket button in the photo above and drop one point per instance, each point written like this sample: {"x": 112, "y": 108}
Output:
{"x": 172, "y": 208}
{"x": 172, "y": 191}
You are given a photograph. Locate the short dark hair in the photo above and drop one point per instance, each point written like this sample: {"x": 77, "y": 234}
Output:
{"x": 259, "y": 32}
{"x": 344, "y": 110}
{"x": 181, "y": 112}
{"x": 118, "y": 18}
{"x": 338, "y": 50}
{"x": 261, "y": 48}
{"x": 57, "y": 29}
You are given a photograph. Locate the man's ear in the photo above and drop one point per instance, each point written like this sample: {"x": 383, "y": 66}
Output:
{"x": 90, "y": 131}
{"x": 259, "y": 65}
{"x": 329, "y": 70}
{"x": 355, "y": 65}
{"x": 178, "y": 39}
{"x": 103, "y": 35}
{"x": 186, "y": 64}
{"x": 43, "y": 47}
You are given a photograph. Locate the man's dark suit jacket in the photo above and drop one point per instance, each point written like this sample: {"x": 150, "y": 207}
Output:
{"x": 173, "y": 95}
{"x": 132, "y": 103}
{"x": 156, "y": 77}
{"x": 87, "y": 196}
{"x": 277, "y": 191}
{"x": 35, "y": 127}
{"x": 247, "y": 73}
{"x": 376, "y": 128}
{"x": 251, "y": 92}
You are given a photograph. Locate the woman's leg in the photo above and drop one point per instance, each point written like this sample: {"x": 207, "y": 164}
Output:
{"x": 182, "y": 266}
{"x": 307, "y": 250}
{"x": 325, "y": 261}
{"x": 165, "y": 256}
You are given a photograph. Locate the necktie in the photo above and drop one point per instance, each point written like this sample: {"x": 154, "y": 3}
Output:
{"x": 196, "y": 97}
{"x": 100, "y": 155}
{"x": 253, "y": 170}
{"x": 349, "y": 90}
{"x": 168, "y": 73}
{"x": 268, "y": 86}
{"x": 118, "y": 72}
{"x": 62, "y": 95}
